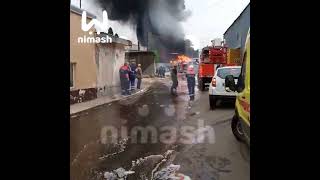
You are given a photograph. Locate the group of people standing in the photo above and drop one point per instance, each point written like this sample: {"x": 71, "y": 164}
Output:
{"x": 128, "y": 75}
{"x": 161, "y": 71}
{"x": 191, "y": 81}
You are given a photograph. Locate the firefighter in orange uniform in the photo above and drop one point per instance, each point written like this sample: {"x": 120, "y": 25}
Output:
{"x": 124, "y": 79}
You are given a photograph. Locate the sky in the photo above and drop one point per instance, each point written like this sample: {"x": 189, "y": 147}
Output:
{"x": 209, "y": 19}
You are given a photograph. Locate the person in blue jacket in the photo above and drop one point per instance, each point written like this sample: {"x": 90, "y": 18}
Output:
{"x": 132, "y": 75}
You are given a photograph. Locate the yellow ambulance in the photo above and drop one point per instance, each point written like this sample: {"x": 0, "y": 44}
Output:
{"x": 241, "y": 121}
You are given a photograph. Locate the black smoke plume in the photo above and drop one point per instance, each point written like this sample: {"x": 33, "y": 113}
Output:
{"x": 158, "y": 22}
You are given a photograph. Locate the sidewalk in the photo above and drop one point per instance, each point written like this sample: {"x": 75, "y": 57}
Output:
{"x": 78, "y": 107}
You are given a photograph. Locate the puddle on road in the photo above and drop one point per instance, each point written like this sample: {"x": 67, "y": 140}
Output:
{"x": 90, "y": 158}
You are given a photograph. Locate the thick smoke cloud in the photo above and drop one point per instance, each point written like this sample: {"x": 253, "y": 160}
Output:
{"x": 161, "y": 18}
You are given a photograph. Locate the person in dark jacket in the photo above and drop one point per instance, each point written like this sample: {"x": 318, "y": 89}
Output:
{"x": 191, "y": 80}
{"x": 160, "y": 71}
{"x": 124, "y": 79}
{"x": 174, "y": 77}
{"x": 132, "y": 75}
{"x": 163, "y": 72}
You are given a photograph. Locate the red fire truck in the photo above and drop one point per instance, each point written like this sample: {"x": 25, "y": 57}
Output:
{"x": 210, "y": 58}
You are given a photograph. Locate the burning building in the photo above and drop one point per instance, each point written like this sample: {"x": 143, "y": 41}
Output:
{"x": 158, "y": 23}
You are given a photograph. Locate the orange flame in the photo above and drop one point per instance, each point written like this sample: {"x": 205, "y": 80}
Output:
{"x": 183, "y": 59}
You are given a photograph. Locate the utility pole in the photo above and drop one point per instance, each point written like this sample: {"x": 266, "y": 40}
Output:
{"x": 80, "y": 4}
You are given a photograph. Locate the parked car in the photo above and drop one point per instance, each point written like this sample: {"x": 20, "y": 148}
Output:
{"x": 217, "y": 90}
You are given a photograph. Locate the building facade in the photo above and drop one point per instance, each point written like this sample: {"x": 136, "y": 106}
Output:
{"x": 109, "y": 58}
{"x": 235, "y": 36}
{"x": 145, "y": 58}
{"x": 83, "y": 69}
{"x": 94, "y": 67}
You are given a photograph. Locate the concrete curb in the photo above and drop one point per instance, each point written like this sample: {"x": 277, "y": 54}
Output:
{"x": 117, "y": 98}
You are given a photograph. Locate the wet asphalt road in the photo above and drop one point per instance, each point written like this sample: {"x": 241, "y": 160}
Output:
{"x": 90, "y": 156}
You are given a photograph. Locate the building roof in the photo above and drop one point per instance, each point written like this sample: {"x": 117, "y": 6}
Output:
{"x": 79, "y": 11}
{"x": 141, "y": 52}
{"x": 115, "y": 39}
{"x": 237, "y": 18}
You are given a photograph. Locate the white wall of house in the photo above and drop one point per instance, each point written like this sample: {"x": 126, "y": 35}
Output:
{"x": 119, "y": 61}
{"x": 110, "y": 58}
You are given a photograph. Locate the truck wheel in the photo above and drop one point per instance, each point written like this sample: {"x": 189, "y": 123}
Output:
{"x": 237, "y": 129}
{"x": 212, "y": 102}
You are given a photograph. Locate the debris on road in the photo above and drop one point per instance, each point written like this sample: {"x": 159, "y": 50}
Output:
{"x": 170, "y": 110}
{"x": 120, "y": 146}
{"x": 118, "y": 174}
{"x": 144, "y": 110}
